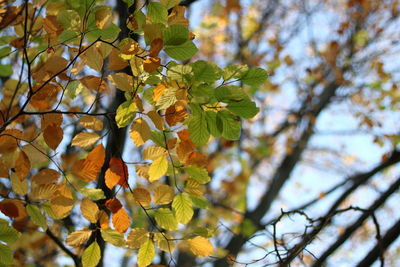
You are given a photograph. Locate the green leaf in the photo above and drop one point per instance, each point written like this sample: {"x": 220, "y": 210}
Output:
{"x": 206, "y": 71}
{"x": 158, "y": 168}
{"x": 199, "y": 202}
{"x": 91, "y": 256}
{"x": 170, "y": 3}
{"x": 254, "y": 77}
{"x": 146, "y": 253}
{"x": 73, "y": 88}
{"x": 231, "y": 125}
{"x": 18, "y": 186}
{"x": 8, "y": 234}
{"x": 234, "y": 72}
{"x": 157, "y": 138}
{"x": 198, "y": 129}
{"x": 248, "y": 228}
{"x": 113, "y": 237}
{"x": 5, "y": 51}
{"x": 211, "y": 118}
{"x": 244, "y": 108}
{"x": 126, "y": 112}
{"x": 202, "y": 94}
{"x": 157, "y": 13}
{"x": 166, "y": 219}
{"x": 5, "y": 70}
{"x": 229, "y": 93}
{"x": 180, "y": 73}
{"x": 67, "y": 36}
{"x": 175, "y": 34}
{"x": 198, "y": 174}
{"x": 37, "y": 216}
{"x": 93, "y": 193}
{"x": 6, "y": 255}
{"x": 182, "y": 206}
{"x": 181, "y": 52}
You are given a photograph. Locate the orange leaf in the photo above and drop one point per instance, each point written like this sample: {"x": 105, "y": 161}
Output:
{"x": 121, "y": 221}
{"x": 151, "y": 64}
{"x": 51, "y": 118}
{"x": 45, "y": 97}
{"x": 89, "y": 168}
{"x": 22, "y": 165}
{"x": 155, "y": 47}
{"x": 104, "y": 220}
{"x": 117, "y": 173}
{"x": 198, "y": 159}
{"x": 113, "y": 205}
{"x": 53, "y": 135}
{"x": 176, "y": 114}
{"x": 9, "y": 140}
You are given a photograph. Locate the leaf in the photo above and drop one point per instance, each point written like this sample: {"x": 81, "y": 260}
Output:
{"x": 142, "y": 196}
{"x": 117, "y": 173}
{"x": 18, "y": 186}
{"x": 5, "y": 70}
{"x": 62, "y": 202}
{"x": 8, "y": 234}
{"x": 157, "y": 13}
{"x": 166, "y": 219}
{"x": 93, "y": 193}
{"x": 158, "y": 168}
{"x": 199, "y": 133}
{"x": 78, "y": 238}
{"x": 151, "y": 64}
{"x": 146, "y": 253}
{"x": 94, "y": 58}
{"x": 206, "y": 71}
{"x": 167, "y": 99}
{"x": 121, "y": 221}
{"x": 200, "y": 246}
{"x": 6, "y": 255}
{"x": 231, "y": 125}
{"x": 244, "y": 108}
{"x": 234, "y": 71}
{"x": 45, "y": 176}
{"x": 164, "y": 242}
{"x": 53, "y": 135}
{"x": 22, "y": 165}
{"x": 211, "y": 118}
{"x": 37, "y": 216}
{"x": 94, "y": 83}
{"x": 91, "y": 255}
{"x": 42, "y": 192}
{"x": 89, "y": 210}
{"x": 113, "y": 237}
{"x": 156, "y": 119}
{"x": 126, "y": 112}
{"x": 89, "y": 168}
{"x": 163, "y": 194}
{"x": 198, "y": 174}
{"x": 91, "y": 122}
{"x": 122, "y": 81}
{"x": 153, "y": 152}
{"x": 85, "y": 139}
{"x": 181, "y": 52}
{"x": 137, "y": 237}
{"x": 113, "y": 205}
{"x": 103, "y": 17}
{"x": 229, "y": 93}
{"x": 182, "y": 206}
{"x": 140, "y": 132}
{"x": 170, "y": 3}
{"x": 175, "y": 35}
{"x": 254, "y": 77}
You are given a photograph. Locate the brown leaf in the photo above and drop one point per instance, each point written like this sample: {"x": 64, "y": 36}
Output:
{"x": 155, "y": 47}
{"x": 151, "y": 64}
{"x": 22, "y": 165}
{"x": 117, "y": 173}
{"x": 113, "y": 205}
{"x": 53, "y": 135}
{"x": 142, "y": 196}
{"x": 94, "y": 83}
{"x": 121, "y": 221}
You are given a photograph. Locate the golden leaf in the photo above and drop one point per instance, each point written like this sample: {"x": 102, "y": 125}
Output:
{"x": 163, "y": 194}
{"x": 137, "y": 237}
{"x": 153, "y": 152}
{"x": 94, "y": 83}
{"x": 142, "y": 196}
{"x": 158, "y": 168}
{"x": 140, "y": 132}
{"x": 78, "y": 238}
{"x": 121, "y": 221}
{"x": 201, "y": 246}
{"x": 91, "y": 122}
{"x": 85, "y": 139}
{"x": 89, "y": 210}
{"x": 122, "y": 81}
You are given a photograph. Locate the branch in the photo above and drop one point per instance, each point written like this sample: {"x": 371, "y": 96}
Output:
{"x": 391, "y": 235}
{"x": 352, "y": 228}
{"x": 74, "y": 257}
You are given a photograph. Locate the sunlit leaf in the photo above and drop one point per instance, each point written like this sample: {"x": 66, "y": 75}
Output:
{"x": 79, "y": 237}
{"x": 137, "y": 237}
{"x": 91, "y": 255}
{"x": 182, "y": 206}
{"x": 201, "y": 246}
{"x": 158, "y": 168}
{"x": 85, "y": 139}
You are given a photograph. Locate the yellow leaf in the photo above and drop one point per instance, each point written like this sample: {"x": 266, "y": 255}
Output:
{"x": 153, "y": 152}
{"x": 42, "y": 192}
{"x": 85, "y": 139}
{"x": 94, "y": 58}
{"x": 121, "y": 221}
{"x": 142, "y": 196}
{"x": 140, "y": 132}
{"x": 91, "y": 122}
{"x": 137, "y": 237}
{"x": 62, "y": 202}
{"x": 163, "y": 195}
{"x": 142, "y": 171}
{"x": 18, "y": 186}
{"x": 158, "y": 168}
{"x": 201, "y": 246}
{"x": 89, "y": 210}
{"x": 78, "y": 238}
{"x": 164, "y": 242}
{"x": 146, "y": 253}
{"x": 122, "y": 81}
